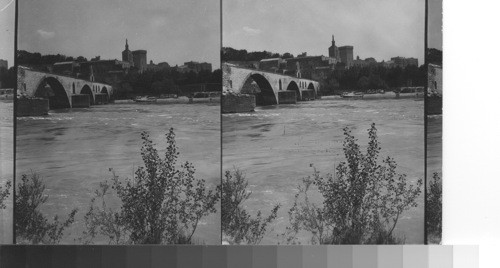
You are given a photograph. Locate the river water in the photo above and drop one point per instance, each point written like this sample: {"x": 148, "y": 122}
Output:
{"x": 276, "y": 145}
{"x": 6, "y": 167}
{"x": 74, "y": 149}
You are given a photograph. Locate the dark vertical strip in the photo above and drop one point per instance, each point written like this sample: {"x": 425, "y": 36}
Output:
{"x": 89, "y": 256}
{"x": 163, "y": 256}
{"x": 289, "y": 257}
{"x": 114, "y": 256}
{"x": 138, "y": 256}
{"x": 64, "y": 256}
{"x": 14, "y": 185}
{"x": 38, "y": 256}
{"x": 390, "y": 256}
{"x": 239, "y": 257}
{"x": 189, "y": 256}
{"x": 265, "y": 257}
{"x": 340, "y": 256}
{"x": 426, "y": 66}
{"x": 215, "y": 257}
{"x": 314, "y": 256}
{"x": 13, "y": 256}
{"x": 220, "y": 114}
{"x": 364, "y": 256}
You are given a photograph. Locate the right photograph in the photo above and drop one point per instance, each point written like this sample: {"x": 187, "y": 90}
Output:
{"x": 323, "y": 124}
{"x": 434, "y": 123}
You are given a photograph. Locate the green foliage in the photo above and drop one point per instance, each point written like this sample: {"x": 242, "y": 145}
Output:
{"x": 4, "y": 193}
{"x": 433, "y": 208}
{"x": 361, "y": 202}
{"x": 162, "y": 204}
{"x": 31, "y": 225}
{"x": 237, "y": 225}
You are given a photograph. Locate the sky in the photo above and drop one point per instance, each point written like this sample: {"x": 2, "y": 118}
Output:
{"x": 7, "y": 28}
{"x": 435, "y": 32}
{"x": 175, "y": 31}
{"x": 381, "y": 29}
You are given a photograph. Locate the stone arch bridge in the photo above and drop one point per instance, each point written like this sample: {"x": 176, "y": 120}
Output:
{"x": 62, "y": 91}
{"x": 273, "y": 86}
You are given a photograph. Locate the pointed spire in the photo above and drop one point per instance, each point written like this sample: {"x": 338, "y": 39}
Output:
{"x": 333, "y": 38}
{"x": 126, "y": 44}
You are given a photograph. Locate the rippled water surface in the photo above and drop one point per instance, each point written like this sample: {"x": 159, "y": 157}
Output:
{"x": 73, "y": 151}
{"x": 277, "y": 145}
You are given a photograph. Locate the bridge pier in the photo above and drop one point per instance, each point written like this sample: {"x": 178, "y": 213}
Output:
{"x": 308, "y": 94}
{"x": 80, "y": 101}
{"x": 287, "y": 97}
{"x": 101, "y": 98}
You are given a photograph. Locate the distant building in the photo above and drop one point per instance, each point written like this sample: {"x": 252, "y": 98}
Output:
{"x": 140, "y": 60}
{"x": 136, "y": 59}
{"x": 193, "y": 66}
{"x": 4, "y": 64}
{"x": 346, "y": 55}
{"x": 366, "y": 62}
{"x": 403, "y": 62}
{"x": 158, "y": 67}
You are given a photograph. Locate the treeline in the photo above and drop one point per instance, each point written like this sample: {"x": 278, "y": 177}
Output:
{"x": 30, "y": 59}
{"x": 435, "y": 56}
{"x": 8, "y": 77}
{"x": 231, "y": 54}
{"x": 373, "y": 77}
{"x": 166, "y": 81}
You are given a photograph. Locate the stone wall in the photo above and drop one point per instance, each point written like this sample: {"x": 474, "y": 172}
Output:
{"x": 238, "y": 103}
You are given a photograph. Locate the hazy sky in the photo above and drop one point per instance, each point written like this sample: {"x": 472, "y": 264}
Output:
{"x": 381, "y": 29}
{"x": 7, "y": 20}
{"x": 435, "y": 24}
{"x": 174, "y": 31}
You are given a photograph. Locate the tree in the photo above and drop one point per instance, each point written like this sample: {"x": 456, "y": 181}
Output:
{"x": 161, "y": 204}
{"x": 237, "y": 224}
{"x": 361, "y": 202}
{"x": 32, "y": 227}
{"x": 4, "y": 193}
{"x": 433, "y": 208}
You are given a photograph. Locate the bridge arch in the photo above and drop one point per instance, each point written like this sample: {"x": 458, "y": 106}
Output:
{"x": 311, "y": 86}
{"x": 50, "y": 88}
{"x": 266, "y": 96}
{"x": 292, "y": 86}
{"x": 87, "y": 90}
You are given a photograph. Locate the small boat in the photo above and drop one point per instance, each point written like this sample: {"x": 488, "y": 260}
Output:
{"x": 352, "y": 95}
{"x": 145, "y": 99}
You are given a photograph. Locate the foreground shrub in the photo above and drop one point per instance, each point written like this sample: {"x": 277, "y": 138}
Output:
{"x": 161, "y": 204}
{"x": 361, "y": 202}
{"x": 237, "y": 225}
{"x": 433, "y": 209}
{"x": 4, "y": 194}
{"x": 32, "y": 227}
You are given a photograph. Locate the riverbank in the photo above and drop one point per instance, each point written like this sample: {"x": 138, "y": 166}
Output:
{"x": 179, "y": 100}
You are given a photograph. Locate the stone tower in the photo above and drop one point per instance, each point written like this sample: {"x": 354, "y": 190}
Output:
{"x": 127, "y": 54}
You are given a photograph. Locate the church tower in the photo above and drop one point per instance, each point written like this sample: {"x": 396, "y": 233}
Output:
{"x": 333, "y": 50}
{"x": 127, "y": 55}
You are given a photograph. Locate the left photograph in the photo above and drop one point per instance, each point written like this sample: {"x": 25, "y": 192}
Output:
{"x": 118, "y": 122}
{"x": 7, "y": 84}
